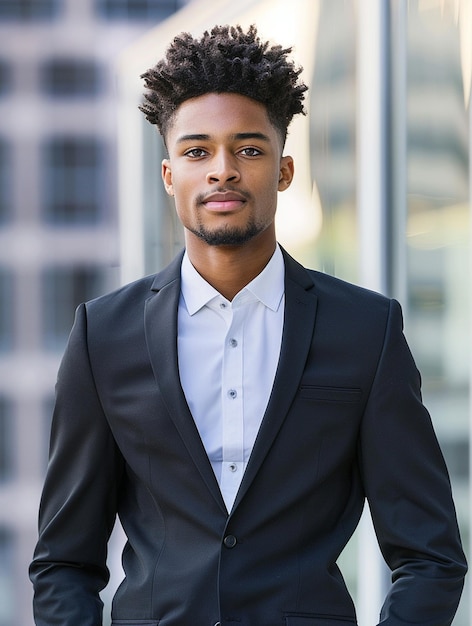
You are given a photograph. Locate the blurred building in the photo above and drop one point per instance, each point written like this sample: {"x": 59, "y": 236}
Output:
{"x": 58, "y": 227}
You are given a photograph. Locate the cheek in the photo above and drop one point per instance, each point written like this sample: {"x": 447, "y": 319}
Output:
{"x": 260, "y": 184}
{"x": 269, "y": 189}
{"x": 183, "y": 201}
{"x": 180, "y": 187}
{"x": 187, "y": 180}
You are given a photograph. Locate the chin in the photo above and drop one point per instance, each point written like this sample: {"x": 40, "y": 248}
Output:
{"x": 228, "y": 236}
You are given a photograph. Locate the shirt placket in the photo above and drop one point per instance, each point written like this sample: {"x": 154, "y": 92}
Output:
{"x": 232, "y": 406}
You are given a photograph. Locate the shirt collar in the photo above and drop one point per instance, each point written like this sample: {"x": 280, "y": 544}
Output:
{"x": 267, "y": 287}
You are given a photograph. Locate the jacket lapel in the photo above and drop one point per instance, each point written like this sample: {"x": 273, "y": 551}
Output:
{"x": 299, "y": 321}
{"x": 160, "y": 320}
{"x": 161, "y": 338}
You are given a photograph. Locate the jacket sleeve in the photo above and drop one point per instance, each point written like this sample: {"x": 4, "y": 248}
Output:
{"x": 409, "y": 493}
{"x": 78, "y": 504}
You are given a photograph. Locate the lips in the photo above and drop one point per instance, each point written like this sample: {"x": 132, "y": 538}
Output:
{"x": 228, "y": 201}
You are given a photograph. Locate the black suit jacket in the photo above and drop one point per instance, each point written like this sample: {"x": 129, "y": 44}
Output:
{"x": 345, "y": 421}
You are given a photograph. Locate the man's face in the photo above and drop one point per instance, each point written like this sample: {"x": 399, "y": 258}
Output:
{"x": 225, "y": 168}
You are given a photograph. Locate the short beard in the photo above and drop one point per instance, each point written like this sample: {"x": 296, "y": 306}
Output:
{"x": 228, "y": 236}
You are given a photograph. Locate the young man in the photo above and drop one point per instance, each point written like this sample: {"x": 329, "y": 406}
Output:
{"x": 236, "y": 409}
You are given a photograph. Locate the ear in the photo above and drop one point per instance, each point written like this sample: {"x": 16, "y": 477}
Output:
{"x": 166, "y": 174}
{"x": 285, "y": 173}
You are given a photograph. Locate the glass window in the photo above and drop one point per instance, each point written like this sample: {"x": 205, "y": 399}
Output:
{"x": 7, "y": 609}
{"x": 136, "y": 9}
{"x": 437, "y": 315}
{"x": 63, "y": 77}
{"x": 28, "y": 9}
{"x": 74, "y": 180}
{"x": 6, "y": 440}
{"x": 5, "y": 77}
{"x": 63, "y": 289}
{"x": 5, "y": 181}
{"x": 6, "y": 310}
{"x": 333, "y": 140}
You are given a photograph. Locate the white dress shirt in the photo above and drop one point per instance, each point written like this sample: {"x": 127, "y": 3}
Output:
{"x": 228, "y": 353}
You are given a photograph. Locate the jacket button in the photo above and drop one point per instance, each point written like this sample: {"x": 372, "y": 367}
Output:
{"x": 230, "y": 541}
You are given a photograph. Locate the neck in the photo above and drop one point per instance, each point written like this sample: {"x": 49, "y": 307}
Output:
{"x": 230, "y": 268}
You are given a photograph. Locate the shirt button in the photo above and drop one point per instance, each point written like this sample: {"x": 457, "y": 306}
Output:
{"x": 233, "y": 343}
{"x": 232, "y": 467}
{"x": 222, "y": 305}
{"x": 232, "y": 393}
{"x": 230, "y": 541}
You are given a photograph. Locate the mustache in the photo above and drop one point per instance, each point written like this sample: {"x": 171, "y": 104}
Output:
{"x": 201, "y": 197}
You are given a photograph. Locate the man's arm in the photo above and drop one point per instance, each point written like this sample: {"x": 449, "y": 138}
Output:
{"x": 78, "y": 504}
{"x": 409, "y": 493}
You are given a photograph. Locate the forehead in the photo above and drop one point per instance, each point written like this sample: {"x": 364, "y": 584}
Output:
{"x": 216, "y": 114}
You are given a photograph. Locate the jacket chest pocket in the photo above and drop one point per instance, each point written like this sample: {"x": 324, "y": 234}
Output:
{"x": 343, "y": 395}
{"x": 134, "y": 622}
{"x": 318, "y": 620}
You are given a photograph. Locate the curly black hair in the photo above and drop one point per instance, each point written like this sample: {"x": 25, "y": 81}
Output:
{"x": 224, "y": 60}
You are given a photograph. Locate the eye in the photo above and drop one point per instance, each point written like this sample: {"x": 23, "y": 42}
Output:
{"x": 195, "y": 153}
{"x": 250, "y": 152}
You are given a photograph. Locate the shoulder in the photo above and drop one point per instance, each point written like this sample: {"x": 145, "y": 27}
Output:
{"x": 130, "y": 298}
{"x": 349, "y": 313}
{"x": 328, "y": 286}
{"x": 353, "y": 310}
{"x": 120, "y": 308}
{"x": 125, "y": 295}
{"x": 331, "y": 289}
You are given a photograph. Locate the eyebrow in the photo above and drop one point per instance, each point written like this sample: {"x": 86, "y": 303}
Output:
{"x": 236, "y": 136}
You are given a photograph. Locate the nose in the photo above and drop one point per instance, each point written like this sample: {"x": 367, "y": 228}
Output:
{"x": 223, "y": 168}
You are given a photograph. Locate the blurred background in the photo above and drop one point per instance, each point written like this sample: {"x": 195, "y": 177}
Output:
{"x": 382, "y": 197}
